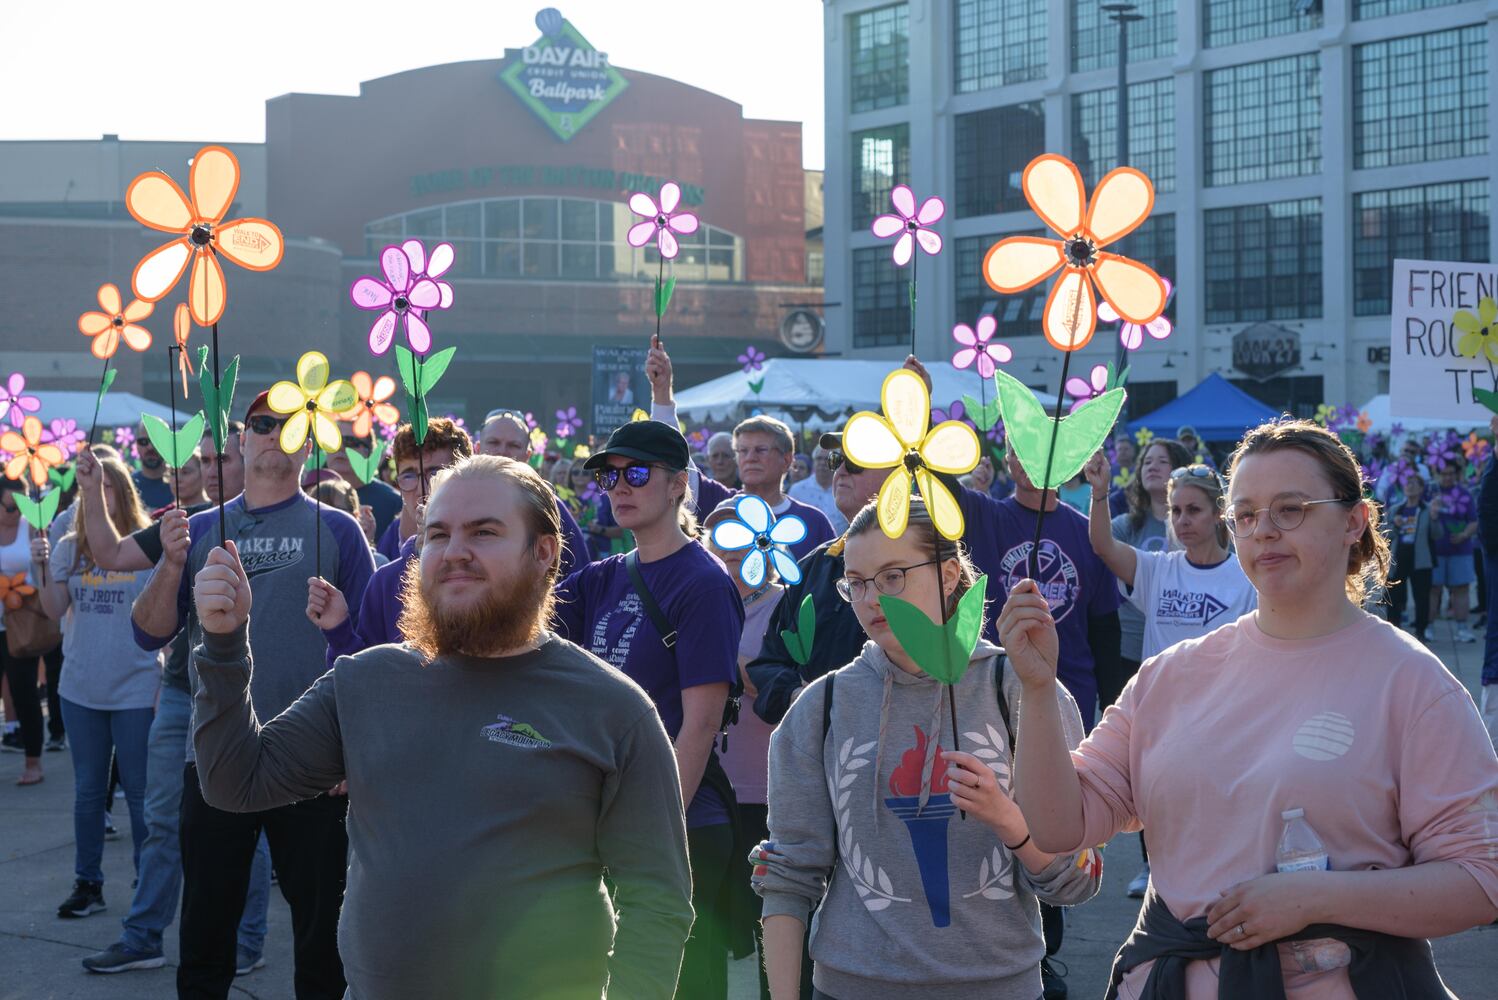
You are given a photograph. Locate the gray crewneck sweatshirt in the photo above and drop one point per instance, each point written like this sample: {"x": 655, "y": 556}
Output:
{"x": 487, "y": 797}
{"x": 922, "y": 902}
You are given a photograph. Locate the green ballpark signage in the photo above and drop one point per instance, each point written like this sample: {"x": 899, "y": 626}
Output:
{"x": 563, "y": 80}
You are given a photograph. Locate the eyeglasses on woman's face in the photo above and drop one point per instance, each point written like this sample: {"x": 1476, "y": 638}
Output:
{"x": 1286, "y": 512}
{"x": 409, "y": 480}
{"x": 889, "y": 581}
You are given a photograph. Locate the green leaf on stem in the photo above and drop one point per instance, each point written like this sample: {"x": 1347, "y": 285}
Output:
{"x": 941, "y": 651}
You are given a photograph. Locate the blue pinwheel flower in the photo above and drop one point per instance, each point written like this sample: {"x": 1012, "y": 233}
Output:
{"x": 757, "y": 528}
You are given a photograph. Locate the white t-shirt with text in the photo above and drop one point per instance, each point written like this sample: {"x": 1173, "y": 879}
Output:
{"x": 1181, "y": 600}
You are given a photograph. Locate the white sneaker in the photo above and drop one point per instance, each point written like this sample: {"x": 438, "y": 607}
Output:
{"x": 1465, "y": 635}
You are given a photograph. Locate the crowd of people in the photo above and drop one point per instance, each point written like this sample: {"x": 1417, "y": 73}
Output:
{"x": 507, "y": 720}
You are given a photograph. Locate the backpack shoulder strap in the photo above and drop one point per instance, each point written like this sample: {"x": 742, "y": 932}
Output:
{"x": 1004, "y": 703}
{"x": 826, "y": 732}
{"x": 652, "y": 609}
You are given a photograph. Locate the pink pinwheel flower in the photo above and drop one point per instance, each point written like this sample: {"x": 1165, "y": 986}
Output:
{"x": 434, "y": 267}
{"x": 911, "y": 224}
{"x": 12, "y": 401}
{"x": 752, "y": 360}
{"x": 977, "y": 347}
{"x": 1131, "y": 335}
{"x": 1081, "y": 390}
{"x": 663, "y": 221}
{"x": 568, "y": 422}
{"x": 399, "y": 295}
{"x": 124, "y": 441}
{"x": 65, "y": 434}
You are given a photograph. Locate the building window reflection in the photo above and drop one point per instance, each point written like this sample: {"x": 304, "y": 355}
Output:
{"x": 1424, "y": 97}
{"x": 1264, "y": 261}
{"x": 569, "y": 239}
{"x": 1431, "y": 222}
{"x": 999, "y": 42}
{"x": 880, "y": 155}
{"x": 881, "y": 300}
{"x": 1263, "y": 120}
{"x": 879, "y": 57}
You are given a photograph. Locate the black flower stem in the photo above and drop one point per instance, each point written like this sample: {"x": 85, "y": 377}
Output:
{"x": 220, "y": 420}
{"x": 316, "y": 498}
{"x": 946, "y": 637}
{"x": 417, "y": 360}
{"x": 660, "y": 278}
{"x": 99, "y": 398}
{"x": 171, "y": 385}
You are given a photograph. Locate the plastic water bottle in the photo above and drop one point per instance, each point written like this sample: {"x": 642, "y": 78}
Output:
{"x": 1300, "y": 850}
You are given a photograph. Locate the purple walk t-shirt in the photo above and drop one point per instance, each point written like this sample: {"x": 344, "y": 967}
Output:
{"x": 1073, "y": 579}
{"x": 597, "y": 608}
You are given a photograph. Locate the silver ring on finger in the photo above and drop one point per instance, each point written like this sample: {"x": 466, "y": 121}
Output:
{"x": 1242, "y": 931}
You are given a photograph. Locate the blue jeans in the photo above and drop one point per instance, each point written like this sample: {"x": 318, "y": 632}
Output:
{"x": 93, "y": 734}
{"x": 1490, "y": 643}
{"x": 160, "y": 868}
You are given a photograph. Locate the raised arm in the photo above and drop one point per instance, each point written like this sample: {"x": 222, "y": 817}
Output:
{"x": 109, "y": 550}
{"x": 1117, "y": 556}
{"x": 1046, "y": 784}
{"x": 161, "y": 608}
{"x": 246, "y": 767}
{"x": 53, "y": 593}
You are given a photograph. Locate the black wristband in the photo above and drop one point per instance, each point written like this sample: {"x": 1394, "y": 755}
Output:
{"x": 1016, "y": 847}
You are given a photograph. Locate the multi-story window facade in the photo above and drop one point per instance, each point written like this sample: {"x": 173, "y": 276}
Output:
{"x": 1296, "y": 151}
{"x": 879, "y": 57}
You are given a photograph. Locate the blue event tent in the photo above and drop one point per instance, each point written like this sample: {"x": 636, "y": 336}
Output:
{"x": 1217, "y": 409}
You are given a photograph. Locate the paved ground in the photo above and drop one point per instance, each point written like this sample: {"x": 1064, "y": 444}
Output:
{"x": 39, "y": 954}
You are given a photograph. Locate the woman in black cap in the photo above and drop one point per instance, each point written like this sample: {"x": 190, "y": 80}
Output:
{"x": 668, "y": 615}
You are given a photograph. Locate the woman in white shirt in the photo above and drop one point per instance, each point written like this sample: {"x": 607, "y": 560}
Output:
{"x": 1187, "y": 592}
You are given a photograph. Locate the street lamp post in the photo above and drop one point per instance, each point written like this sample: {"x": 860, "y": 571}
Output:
{"x": 1122, "y": 14}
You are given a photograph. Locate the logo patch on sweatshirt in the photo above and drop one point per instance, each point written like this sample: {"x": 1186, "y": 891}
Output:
{"x": 515, "y": 734}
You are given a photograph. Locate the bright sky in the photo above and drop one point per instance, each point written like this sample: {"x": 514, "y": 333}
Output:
{"x": 191, "y": 70}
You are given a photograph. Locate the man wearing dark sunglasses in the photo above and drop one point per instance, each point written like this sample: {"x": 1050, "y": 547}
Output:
{"x": 276, "y": 527}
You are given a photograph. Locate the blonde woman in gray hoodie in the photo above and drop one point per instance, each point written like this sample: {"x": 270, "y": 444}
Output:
{"x": 867, "y": 793}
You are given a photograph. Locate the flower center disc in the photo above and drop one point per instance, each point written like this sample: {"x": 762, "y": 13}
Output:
{"x": 660, "y": 220}
{"x": 201, "y": 235}
{"x": 117, "y": 322}
{"x": 312, "y": 405}
{"x": 1080, "y": 251}
{"x": 762, "y": 542}
{"x": 912, "y": 460}
{"x": 912, "y": 225}
{"x": 401, "y": 305}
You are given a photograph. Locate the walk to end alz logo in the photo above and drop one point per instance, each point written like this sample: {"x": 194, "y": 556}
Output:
{"x": 563, "y": 80}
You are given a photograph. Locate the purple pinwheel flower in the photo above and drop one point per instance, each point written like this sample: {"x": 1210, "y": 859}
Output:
{"x": 698, "y": 439}
{"x": 434, "y": 267}
{"x": 1444, "y": 449}
{"x": 663, "y": 221}
{"x": 752, "y": 359}
{"x": 124, "y": 441}
{"x": 12, "y": 401}
{"x": 911, "y": 224}
{"x": 568, "y": 422}
{"x": 1456, "y": 503}
{"x": 1081, "y": 390}
{"x": 399, "y": 295}
{"x": 65, "y": 434}
{"x": 976, "y": 347}
{"x": 1397, "y": 430}
{"x": 957, "y": 410}
{"x": 589, "y": 492}
{"x": 530, "y": 421}
{"x": 1131, "y": 335}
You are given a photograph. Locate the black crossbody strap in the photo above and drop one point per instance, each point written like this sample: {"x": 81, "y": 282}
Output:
{"x": 657, "y": 616}
{"x": 827, "y": 731}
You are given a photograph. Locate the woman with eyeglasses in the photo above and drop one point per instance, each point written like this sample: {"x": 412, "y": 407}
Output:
{"x": 1308, "y": 703}
{"x": 866, "y": 778}
{"x": 686, "y": 664}
{"x": 109, "y": 690}
{"x": 1185, "y": 592}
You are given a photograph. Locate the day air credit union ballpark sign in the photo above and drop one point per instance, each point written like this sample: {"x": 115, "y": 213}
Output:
{"x": 561, "y": 78}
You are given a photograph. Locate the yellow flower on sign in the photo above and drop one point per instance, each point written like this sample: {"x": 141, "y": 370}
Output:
{"x": 313, "y": 404}
{"x": 899, "y": 441}
{"x": 1480, "y": 332}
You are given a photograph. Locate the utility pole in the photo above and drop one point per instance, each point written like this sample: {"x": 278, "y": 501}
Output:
{"x": 1122, "y": 14}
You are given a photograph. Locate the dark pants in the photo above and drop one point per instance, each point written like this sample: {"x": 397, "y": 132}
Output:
{"x": 704, "y": 965}
{"x": 1110, "y": 682}
{"x": 309, "y": 849}
{"x": 55, "y": 727}
{"x": 21, "y": 672}
{"x": 1479, "y": 563}
{"x": 1405, "y": 578}
{"x": 1490, "y": 638}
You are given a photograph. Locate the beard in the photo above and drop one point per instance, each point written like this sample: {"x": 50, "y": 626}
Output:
{"x": 508, "y": 615}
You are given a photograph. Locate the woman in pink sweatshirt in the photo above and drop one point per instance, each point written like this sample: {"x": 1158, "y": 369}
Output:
{"x": 1309, "y": 703}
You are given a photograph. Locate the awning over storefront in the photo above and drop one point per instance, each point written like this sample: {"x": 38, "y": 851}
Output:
{"x": 1215, "y": 408}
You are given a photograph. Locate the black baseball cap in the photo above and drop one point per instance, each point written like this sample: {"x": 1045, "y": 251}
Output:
{"x": 832, "y": 441}
{"x": 645, "y": 441}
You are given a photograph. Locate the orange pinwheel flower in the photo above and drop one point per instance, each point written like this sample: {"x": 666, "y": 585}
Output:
{"x": 28, "y": 453}
{"x": 155, "y": 200}
{"x": 181, "y": 328}
{"x": 14, "y": 590}
{"x": 371, "y": 406}
{"x": 116, "y": 322}
{"x": 1120, "y": 202}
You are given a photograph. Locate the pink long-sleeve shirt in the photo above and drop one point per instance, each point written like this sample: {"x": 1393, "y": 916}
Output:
{"x": 1364, "y": 729}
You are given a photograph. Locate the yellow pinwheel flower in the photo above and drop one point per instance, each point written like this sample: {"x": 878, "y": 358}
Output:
{"x": 1480, "y": 332}
{"x": 313, "y": 404}
{"x": 899, "y": 440}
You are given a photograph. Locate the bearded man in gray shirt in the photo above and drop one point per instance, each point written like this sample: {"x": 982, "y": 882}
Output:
{"x": 495, "y": 772}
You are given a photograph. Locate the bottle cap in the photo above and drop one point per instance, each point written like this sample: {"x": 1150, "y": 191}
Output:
{"x": 1293, "y": 814}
